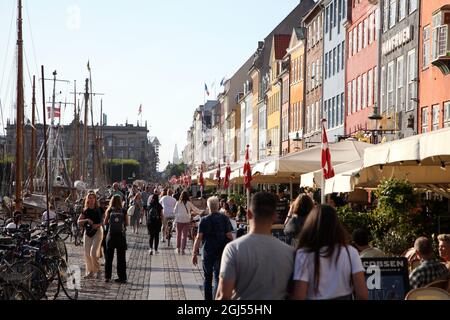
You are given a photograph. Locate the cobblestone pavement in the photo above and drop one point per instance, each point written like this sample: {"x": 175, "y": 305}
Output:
{"x": 166, "y": 276}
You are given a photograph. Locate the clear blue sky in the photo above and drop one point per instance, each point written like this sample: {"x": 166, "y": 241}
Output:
{"x": 158, "y": 53}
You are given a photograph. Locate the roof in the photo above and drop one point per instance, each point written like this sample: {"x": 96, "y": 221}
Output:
{"x": 281, "y": 43}
{"x": 284, "y": 27}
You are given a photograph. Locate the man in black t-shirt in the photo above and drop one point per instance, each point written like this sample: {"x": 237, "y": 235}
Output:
{"x": 214, "y": 232}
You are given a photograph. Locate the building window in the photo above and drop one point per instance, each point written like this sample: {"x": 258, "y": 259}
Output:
{"x": 383, "y": 90}
{"x": 343, "y": 55}
{"x": 413, "y": 6}
{"x": 285, "y": 128}
{"x": 327, "y": 18}
{"x": 400, "y": 81}
{"x": 318, "y": 107}
{"x": 360, "y": 36}
{"x": 355, "y": 40}
{"x": 326, "y": 65}
{"x": 424, "y": 119}
{"x": 426, "y": 47}
{"x": 370, "y": 88}
{"x": 364, "y": 90}
{"x": 342, "y": 108}
{"x": 366, "y": 33}
{"x": 371, "y": 27}
{"x": 338, "y": 60}
{"x": 390, "y": 85}
{"x": 334, "y": 62}
{"x": 401, "y": 10}
{"x": 301, "y": 68}
{"x": 358, "y": 92}
{"x": 349, "y": 98}
{"x": 375, "y": 85}
{"x": 350, "y": 43}
{"x": 440, "y": 37}
{"x": 436, "y": 111}
{"x": 386, "y": 16}
{"x": 338, "y": 111}
{"x": 319, "y": 28}
{"x": 412, "y": 81}
{"x": 447, "y": 114}
{"x": 377, "y": 23}
{"x": 339, "y": 9}
{"x": 354, "y": 96}
{"x": 392, "y": 13}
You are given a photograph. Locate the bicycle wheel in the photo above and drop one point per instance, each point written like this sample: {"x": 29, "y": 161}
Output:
{"x": 62, "y": 249}
{"x": 65, "y": 232}
{"x": 34, "y": 278}
{"x": 68, "y": 280}
{"x": 10, "y": 291}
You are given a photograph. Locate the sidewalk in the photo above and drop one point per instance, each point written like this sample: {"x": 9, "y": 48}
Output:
{"x": 166, "y": 276}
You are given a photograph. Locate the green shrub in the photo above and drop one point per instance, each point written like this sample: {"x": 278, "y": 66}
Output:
{"x": 354, "y": 220}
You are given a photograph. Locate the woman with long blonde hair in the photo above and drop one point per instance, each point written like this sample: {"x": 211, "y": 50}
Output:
{"x": 116, "y": 219}
{"x": 91, "y": 220}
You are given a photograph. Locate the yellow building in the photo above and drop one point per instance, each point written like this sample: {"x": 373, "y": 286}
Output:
{"x": 296, "y": 51}
{"x": 279, "y": 45}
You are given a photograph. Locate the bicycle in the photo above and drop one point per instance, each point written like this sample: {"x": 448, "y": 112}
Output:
{"x": 169, "y": 230}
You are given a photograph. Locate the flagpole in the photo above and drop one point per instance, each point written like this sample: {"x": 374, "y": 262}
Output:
{"x": 322, "y": 190}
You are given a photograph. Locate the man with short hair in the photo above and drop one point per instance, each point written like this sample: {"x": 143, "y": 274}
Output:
{"x": 116, "y": 191}
{"x": 168, "y": 203}
{"x": 444, "y": 248}
{"x": 361, "y": 243}
{"x": 215, "y": 232}
{"x": 430, "y": 269}
{"x": 257, "y": 266}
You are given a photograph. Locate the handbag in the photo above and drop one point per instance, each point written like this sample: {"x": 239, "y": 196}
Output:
{"x": 90, "y": 231}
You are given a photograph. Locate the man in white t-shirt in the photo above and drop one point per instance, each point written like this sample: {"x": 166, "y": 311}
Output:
{"x": 257, "y": 266}
{"x": 168, "y": 203}
{"x": 51, "y": 215}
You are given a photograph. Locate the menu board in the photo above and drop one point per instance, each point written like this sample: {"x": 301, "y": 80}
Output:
{"x": 386, "y": 278}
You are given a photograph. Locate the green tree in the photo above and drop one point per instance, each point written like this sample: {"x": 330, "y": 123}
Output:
{"x": 174, "y": 170}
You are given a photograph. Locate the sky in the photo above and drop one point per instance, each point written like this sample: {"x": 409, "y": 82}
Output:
{"x": 156, "y": 53}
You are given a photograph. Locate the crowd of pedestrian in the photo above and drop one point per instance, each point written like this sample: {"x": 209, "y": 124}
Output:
{"x": 319, "y": 259}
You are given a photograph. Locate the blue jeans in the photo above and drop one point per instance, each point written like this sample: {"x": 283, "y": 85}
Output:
{"x": 211, "y": 267}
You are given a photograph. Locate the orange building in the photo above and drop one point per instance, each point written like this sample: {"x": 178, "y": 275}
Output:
{"x": 434, "y": 65}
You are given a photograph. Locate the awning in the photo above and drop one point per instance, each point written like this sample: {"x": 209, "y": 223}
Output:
{"x": 415, "y": 148}
{"x": 309, "y": 160}
{"x": 314, "y": 179}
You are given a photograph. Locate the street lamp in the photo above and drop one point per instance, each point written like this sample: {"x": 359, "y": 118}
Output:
{"x": 377, "y": 117}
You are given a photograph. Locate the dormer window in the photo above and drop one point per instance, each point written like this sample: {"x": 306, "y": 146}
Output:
{"x": 441, "y": 39}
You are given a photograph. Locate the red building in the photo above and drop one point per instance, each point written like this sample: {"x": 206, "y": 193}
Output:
{"x": 361, "y": 65}
{"x": 434, "y": 66}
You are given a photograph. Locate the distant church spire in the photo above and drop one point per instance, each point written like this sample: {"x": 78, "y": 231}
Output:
{"x": 176, "y": 158}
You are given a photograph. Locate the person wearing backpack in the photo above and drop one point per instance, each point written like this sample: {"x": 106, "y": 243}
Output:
{"x": 215, "y": 231}
{"x": 116, "y": 219}
{"x": 183, "y": 210}
{"x": 154, "y": 222}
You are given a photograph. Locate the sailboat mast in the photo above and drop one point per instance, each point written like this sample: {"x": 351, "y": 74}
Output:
{"x": 76, "y": 151}
{"x": 20, "y": 112}
{"x": 33, "y": 137}
{"x": 85, "y": 133}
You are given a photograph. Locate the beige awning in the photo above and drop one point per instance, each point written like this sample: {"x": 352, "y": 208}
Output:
{"x": 309, "y": 160}
{"x": 314, "y": 179}
{"x": 415, "y": 148}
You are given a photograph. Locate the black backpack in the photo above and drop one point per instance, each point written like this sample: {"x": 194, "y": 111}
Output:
{"x": 116, "y": 222}
{"x": 154, "y": 216}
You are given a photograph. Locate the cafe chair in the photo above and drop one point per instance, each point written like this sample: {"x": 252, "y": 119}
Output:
{"x": 431, "y": 293}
